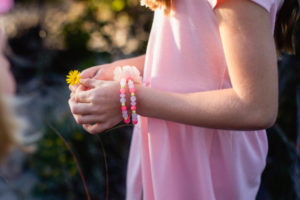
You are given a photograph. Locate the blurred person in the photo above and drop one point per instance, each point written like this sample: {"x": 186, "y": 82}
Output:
{"x": 8, "y": 124}
{"x": 210, "y": 89}
{"x": 7, "y": 82}
{"x": 8, "y": 128}
{"x": 6, "y": 5}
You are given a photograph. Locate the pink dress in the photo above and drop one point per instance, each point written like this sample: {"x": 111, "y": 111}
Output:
{"x": 5, "y": 5}
{"x": 173, "y": 161}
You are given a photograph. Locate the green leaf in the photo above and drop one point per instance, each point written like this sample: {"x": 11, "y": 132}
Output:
{"x": 118, "y": 5}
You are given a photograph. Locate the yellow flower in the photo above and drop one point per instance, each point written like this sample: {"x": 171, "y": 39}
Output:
{"x": 73, "y": 77}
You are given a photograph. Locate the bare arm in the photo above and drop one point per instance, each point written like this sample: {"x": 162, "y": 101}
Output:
{"x": 7, "y": 82}
{"x": 251, "y": 57}
{"x": 250, "y": 104}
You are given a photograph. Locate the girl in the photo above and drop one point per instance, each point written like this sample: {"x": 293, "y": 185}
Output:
{"x": 7, "y": 82}
{"x": 8, "y": 125}
{"x": 209, "y": 90}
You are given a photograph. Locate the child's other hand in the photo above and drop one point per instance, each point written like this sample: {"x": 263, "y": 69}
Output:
{"x": 98, "y": 108}
{"x": 100, "y": 72}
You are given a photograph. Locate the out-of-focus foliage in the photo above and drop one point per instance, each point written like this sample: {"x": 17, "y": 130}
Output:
{"x": 59, "y": 176}
{"x": 95, "y": 24}
{"x": 55, "y": 165}
{"x": 56, "y": 36}
{"x": 47, "y": 38}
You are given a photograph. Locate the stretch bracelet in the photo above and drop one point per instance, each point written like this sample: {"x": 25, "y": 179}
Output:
{"x": 133, "y": 101}
{"x": 128, "y": 75}
{"x": 123, "y": 100}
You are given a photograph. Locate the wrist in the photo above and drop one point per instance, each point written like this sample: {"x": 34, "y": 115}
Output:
{"x": 139, "y": 90}
{"x": 128, "y": 76}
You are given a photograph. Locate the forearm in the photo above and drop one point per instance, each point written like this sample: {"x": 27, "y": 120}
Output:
{"x": 251, "y": 103}
{"x": 221, "y": 109}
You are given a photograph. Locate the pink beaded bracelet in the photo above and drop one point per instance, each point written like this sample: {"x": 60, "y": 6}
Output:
{"x": 123, "y": 100}
{"x": 130, "y": 75}
{"x": 133, "y": 101}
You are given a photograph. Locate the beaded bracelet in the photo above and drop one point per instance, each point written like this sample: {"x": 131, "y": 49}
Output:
{"x": 133, "y": 101}
{"x": 123, "y": 101}
{"x": 130, "y": 75}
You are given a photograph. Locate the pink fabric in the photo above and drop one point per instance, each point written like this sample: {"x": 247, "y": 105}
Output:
{"x": 5, "y": 5}
{"x": 7, "y": 82}
{"x": 172, "y": 161}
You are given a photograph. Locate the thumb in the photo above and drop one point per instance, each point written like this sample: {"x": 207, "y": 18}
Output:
{"x": 89, "y": 72}
{"x": 90, "y": 83}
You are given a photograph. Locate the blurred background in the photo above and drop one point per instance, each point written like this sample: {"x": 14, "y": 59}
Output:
{"x": 47, "y": 38}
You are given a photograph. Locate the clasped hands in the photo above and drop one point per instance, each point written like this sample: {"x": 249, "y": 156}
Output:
{"x": 95, "y": 102}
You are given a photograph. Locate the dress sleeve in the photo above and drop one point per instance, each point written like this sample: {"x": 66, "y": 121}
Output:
{"x": 266, "y": 4}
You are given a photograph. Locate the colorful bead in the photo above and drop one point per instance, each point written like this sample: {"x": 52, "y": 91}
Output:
{"x": 122, "y": 90}
{"x": 133, "y": 98}
{"x": 132, "y": 101}
{"x": 123, "y": 101}
{"x": 125, "y": 115}
{"x": 123, "y": 82}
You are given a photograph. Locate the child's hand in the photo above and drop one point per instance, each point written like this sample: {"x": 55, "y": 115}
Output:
{"x": 98, "y": 108}
{"x": 101, "y": 72}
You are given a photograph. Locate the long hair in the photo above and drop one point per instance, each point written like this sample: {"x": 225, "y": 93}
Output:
{"x": 8, "y": 128}
{"x": 153, "y": 4}
{"x": 285, "y": 23}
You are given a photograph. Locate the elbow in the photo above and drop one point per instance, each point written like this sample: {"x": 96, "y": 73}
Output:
{"x": 268, "y": 120}
{"x": 264, "y": 118}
